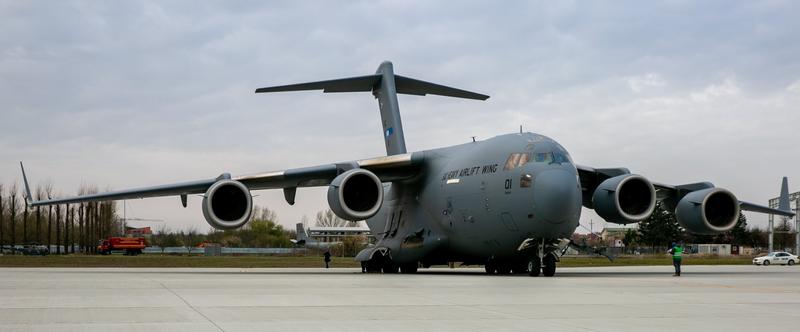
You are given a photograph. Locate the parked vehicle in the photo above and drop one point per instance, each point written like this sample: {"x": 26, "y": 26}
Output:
{"x": 129, "y": 245}
{"x": 778, "y": 257}
{"x": 34, "y": 249}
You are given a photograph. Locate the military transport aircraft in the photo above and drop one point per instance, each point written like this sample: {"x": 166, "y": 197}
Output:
{"x": 504, "y": 202}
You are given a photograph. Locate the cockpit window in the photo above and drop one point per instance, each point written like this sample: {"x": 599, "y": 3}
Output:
{"x": 516, "y": 160}
{"x": 543, "y": 157}
{"x": 557, "y": 155}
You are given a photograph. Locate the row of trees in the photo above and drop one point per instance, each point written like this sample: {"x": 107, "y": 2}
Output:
{"x": 262, "y": 231}
{"x": 68, "y": 227}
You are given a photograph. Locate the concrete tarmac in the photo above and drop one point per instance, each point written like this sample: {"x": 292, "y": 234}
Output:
{"x": 705, "y": 298}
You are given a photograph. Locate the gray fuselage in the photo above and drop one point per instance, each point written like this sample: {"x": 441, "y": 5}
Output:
{"x": 480, "y": 200}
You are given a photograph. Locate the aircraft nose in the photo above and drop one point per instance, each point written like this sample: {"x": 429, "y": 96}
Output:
{"x": 557, "y": 196}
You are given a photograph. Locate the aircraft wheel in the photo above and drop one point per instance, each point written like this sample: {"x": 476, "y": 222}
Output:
{"x": 503, "y": 269}
{"x": 409, "y": 268}
{"x": 549, "y": 265}
{"x": 766, "y": 263}
{"x": 534, "y": 266}
{"x": 520, "y": 267}
{"x": 490, "y": 267}
{"x": 390, "y": 267}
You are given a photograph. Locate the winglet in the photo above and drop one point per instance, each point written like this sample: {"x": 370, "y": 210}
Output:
{"x": 783, "y": 200}
{"x": 28, "y": 196}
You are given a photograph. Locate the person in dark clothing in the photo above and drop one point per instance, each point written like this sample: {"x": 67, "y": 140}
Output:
{"x": 327, "y": 259}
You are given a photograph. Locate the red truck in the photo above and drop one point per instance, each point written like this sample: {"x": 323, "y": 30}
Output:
{"x": 130, "y": 245}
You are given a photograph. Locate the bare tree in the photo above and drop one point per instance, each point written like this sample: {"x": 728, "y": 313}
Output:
{"x": 189, "y": 237}
{"x": 25, "y": 224}
{"x": 264, "y": 213}
{"x": 58, "y": 229}
{"x": 161, "y": 237}
{"x": 13, "y": 207}
{"x": 329, "y": 219}
{"x": 67, "y": 222}
{"x": 48, "y": 189}
{"x": 1, "y": 218}
{"x": 304, "y": 221}
{"x": 81, "y": 243}
{"x": 38, "y": 215}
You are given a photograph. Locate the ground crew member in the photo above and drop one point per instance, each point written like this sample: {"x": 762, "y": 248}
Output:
{"x": 676, "y": 251}
{"x": 327, "y": 258}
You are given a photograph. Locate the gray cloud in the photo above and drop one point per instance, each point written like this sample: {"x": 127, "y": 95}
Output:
{"x": 139, "y": 93}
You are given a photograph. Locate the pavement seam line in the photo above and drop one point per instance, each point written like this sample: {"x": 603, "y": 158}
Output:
{"x": 191, "y": 306}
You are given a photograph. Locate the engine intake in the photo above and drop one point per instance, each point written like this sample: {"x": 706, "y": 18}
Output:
{"x": 624, "y": 199}
{"x": 356, "y": 194}
{"x": 708, "y": 211}
{"x": 227, "y": 204}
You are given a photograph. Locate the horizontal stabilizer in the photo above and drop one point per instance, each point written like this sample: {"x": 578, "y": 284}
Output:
{"x": 352, "y": 84}
{"x": 416, "y": 87}
{"x": 403, "y": 85}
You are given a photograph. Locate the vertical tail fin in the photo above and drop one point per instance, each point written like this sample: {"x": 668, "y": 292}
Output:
{"x": 385, "y": 86}
{"x": 302, "y": 235}
{"x": 386, "y": 93}
{"x": 783, "y": 200}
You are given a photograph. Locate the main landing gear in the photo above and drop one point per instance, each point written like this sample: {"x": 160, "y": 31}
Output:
{"x": 542, "y": 259}
{"x": 383, "y": 263}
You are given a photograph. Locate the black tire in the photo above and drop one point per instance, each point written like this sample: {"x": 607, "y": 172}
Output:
{"x": 549, "y": 265}
{"x": 766, "y": 263}
{"x": 409, "y": 268}
{"x": 791, "y": 262}
{"x": 520, "y": 267}
{"x": 503, "y": 269}
{"x": 490, "y": 268}
{"x": 534, "y": 266}
{"x": 373, "y": 267}
{"x": 390, "y": 267}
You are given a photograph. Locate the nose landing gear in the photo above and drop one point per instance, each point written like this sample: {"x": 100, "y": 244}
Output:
{"x": 543, "y": 257}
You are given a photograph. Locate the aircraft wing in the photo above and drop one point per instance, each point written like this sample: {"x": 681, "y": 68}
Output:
{"x": 590, "y": 178}
{"x": 389, "y": 168}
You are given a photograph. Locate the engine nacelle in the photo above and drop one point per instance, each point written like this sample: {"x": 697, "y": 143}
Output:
{"x": 227, "y": 204}
{"x": 708, "y": 211}
{"x": 624, "y": 199}
{"x": 355, "y": 195}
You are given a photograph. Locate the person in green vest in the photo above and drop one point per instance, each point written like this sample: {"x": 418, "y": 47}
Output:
{"x": 676, "y": 251}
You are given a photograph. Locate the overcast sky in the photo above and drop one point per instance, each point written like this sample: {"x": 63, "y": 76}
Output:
{"x": 126, "y": 94}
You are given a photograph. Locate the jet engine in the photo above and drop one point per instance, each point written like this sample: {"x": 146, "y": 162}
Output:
{"x": 355, "y": 195}
{"x": 227, "y": 204}
{"x": 624, "y": 199}
{"x": 708, "y": 211}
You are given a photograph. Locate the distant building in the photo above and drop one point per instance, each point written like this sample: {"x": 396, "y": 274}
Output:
{"x": 138, "y": 232}
{"x": 714, "y": 249}
{"x": 613, "y": 236}
{"x": 335, "y": 234}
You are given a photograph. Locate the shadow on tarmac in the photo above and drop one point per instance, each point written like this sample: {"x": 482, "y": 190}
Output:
{"x": 566, "y": 273}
